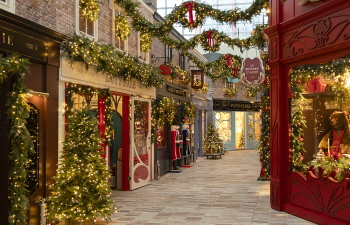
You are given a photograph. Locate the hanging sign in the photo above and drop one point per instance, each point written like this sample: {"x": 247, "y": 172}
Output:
{"x": 229, "y": 105}
{"x": 252, "y": 72}
{"x": 197, "y": 79}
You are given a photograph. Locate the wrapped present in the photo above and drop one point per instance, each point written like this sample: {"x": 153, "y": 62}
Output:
{"x": 315, "y": 85}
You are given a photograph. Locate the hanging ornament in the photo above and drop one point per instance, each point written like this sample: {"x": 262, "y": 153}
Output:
{"x": 190, "y": 5}
{"x": 210, "y": 38}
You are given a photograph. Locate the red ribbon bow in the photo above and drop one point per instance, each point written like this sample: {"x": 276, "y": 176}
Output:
{"x": 228, "y": 59}
{"x": 190, "y": 5}
{"x": 235, "y": 70}
{"x": 210, "y": 39}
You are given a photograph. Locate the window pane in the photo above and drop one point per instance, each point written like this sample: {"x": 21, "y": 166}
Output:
{"x": 90, "y": 28}
{"x": 82, "y": 23}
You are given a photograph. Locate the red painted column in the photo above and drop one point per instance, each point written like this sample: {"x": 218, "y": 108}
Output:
{"x": 125, "y": 143}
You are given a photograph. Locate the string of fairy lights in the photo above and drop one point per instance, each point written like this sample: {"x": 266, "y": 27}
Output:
{"x": 13, "y": 67}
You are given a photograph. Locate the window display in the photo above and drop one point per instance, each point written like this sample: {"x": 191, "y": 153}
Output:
{"x": 319, "y": 113}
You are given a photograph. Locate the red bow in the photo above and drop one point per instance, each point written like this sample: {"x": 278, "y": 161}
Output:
{"x": 190, "y": 5}
{"x": 210, "y": 39}
{"x": 228, "y": 59}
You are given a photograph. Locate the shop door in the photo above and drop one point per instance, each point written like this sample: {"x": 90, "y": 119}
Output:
{"x": 141, "y": 151}
{"x": 254, "y": 132}
{"x": 36, "y": 163}
{"x": 224, "y": 126}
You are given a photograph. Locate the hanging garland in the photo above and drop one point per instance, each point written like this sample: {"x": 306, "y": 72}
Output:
{"x": 13, "y": 67}
{"x": 122, "y": 29}
{"x": 108, "y": 60}
{"x": 88, "y": 92}
{"x": 252, "y": 91}
{"x": 230, "y": 91}
{"x": 90, "y": 9}
{"x": 263, "y": 147}
{"x": 200, "y": 10}
{"x": 189, "y": 111}
{"x": 178, "y": 74}
{"x": 204, "y": 89}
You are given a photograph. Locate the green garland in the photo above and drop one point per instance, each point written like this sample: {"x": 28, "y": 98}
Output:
{"x": 230, "y": 91}
{"x": 107, "y": 60}
{"x": 178, "y": 74}
{"x": 204, "y": 89}
{"x": 333, "y": 163}
{"x": 122, "y": 29}
{"x": 88, "y": 92}
{"x": 189, "y": 111}
{"x": 252, "y": 91}
{"x": 13, "y": 67}
{"x": 263, "y": 147}
{"x": 90, "y": 9}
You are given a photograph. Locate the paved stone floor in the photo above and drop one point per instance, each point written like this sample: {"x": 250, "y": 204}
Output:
{"x": 212, "y": 192}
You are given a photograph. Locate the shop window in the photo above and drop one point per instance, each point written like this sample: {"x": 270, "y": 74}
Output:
{"x": 182, "y": 62}
{"x": 161, "y": 137}
{"x": 168, "y": 54}
{"x": 118, "y": 43}
{"x": 319, "y": 112}
{"x": 83, "y": 25}
{"x": 8, "y": 5}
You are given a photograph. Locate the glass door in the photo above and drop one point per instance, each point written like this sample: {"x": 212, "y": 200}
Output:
{"x": 223, "y": 124}
{"x": 240, "y": 130}
{"x": 254, "y": 132}
{"x": 141, "y": 151}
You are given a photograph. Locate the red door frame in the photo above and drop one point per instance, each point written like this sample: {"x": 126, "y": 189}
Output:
{"x": 287, "y": 21}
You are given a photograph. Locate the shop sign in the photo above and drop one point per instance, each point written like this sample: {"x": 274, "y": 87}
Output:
{"x": 229, "y": 105}
{"x": 197, "y": 79}
{"x": 252, "y": 72}
{"x": 176, "y": 91}
{"x": 30, "y": 47}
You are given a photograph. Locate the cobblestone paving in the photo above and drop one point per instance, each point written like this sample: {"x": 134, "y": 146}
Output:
{"x": 212, "y": 192}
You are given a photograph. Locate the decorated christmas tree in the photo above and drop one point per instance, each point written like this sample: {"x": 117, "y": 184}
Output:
{"x": 212, "y": 143}
{"x": 81, "y": 191}
{"x": 241, "y": 140}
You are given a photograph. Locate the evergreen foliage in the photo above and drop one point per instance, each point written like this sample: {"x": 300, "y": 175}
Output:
{"x": 241, "y": 139}
{"x": 212, "y": 143}
{"x": 81, "y": 191}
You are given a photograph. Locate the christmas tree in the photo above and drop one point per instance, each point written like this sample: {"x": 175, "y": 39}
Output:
{"x": 241, "y": 140}
{"x": 81, "y": 191}
{"x": 212, "y": 143}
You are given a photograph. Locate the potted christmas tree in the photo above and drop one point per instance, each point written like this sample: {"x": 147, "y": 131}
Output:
{"x": 81, "y": 192}
{"x": 212, "y": 144}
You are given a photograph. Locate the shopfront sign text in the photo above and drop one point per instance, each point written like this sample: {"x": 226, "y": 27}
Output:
{"x": 229, "y": 105}
{"x": 252, "y": 72}
{"x": 176, "y": 91}
{"x": 27, "y": 46}
{"x": 121, "y": 82}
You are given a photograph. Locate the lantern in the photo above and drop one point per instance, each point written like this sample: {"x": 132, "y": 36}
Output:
{"x": 197, "y": 79}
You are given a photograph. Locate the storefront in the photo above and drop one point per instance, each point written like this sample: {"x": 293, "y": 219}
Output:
{"x": 238, "y": 123}
{"x": 179, "y": 94}
{"x": 41, "y": 46}
{"x": 309, "y": 49}
{"x": 130, "y": 154}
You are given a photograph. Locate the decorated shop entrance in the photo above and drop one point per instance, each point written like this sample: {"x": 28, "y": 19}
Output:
{"x": 141, "y": 155}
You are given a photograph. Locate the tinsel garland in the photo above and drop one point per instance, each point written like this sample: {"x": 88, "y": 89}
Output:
{"x": 88, "y": 92}
{"x": 90, "y": 9}
{"x": 13, "y": 67}
{"x": 189, "y": 111}
{"x": 108, "y": 60}
{"x": 122, "y": 29}
{"x": 263, "y": 147}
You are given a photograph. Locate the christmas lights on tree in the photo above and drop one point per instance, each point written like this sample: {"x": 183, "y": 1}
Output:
{"x": 212, "y": 142}
{"x": 82, "y": 190}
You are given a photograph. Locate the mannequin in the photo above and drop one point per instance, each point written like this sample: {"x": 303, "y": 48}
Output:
{"x": 337, "y": 140}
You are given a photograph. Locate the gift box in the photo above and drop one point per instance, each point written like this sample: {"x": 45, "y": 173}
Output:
{"x": 315, "y": 85}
